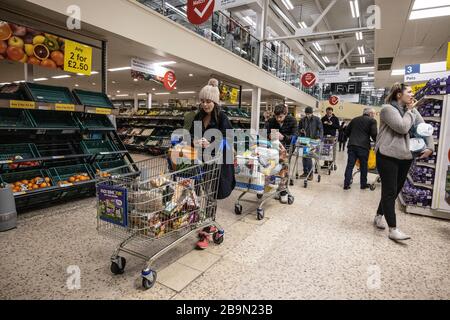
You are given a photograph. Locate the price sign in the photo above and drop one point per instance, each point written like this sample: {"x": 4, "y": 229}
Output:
{"x": 16, "y": 104}
{"x": 77, "y": 58}
{"x": 102, "y": 111}
{"x": 64, "y": 107}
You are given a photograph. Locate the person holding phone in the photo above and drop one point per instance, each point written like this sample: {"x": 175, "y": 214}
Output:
{"x": 398, "y": 118}
{"x": 309, "y": 126}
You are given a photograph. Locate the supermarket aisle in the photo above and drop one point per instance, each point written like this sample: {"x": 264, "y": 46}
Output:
{"x": 323, "y": 246}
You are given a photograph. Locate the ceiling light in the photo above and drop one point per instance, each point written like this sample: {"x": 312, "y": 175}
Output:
{"x": 40, "y": 79}
{"x": 165, "y": 63}
{"x": 141, "y": 94}
{"x": 186, "y": 92}
{"x": 61, "y": 77}
{"x": 246, "y": 90}
{"x": 430, "y": 13}
{"x": 288, "y": 4}
{"x": 122, "y": 95}
{"x": 77, "y": 85}
{"x": 362, "y": 60}
{"x": 325, "y": 58}
{"x": 398, "y": 72}
{"x": 359, "y": 36}
{"x": 176, "y": 10}
{"x": 191, "y": 75}
{"x": 93, "y": 83}
{"x": 317, "y": 58}
{"x": 153, "y": 89}
{"x": 361, "y": 50}
{"x": 4, "y": 83}
{"x": 302, "y": 25}
{"x": 250, "y": 21}
{"x": 285, "y": 18}
{"x": 135, "y": 80}
{"x": 359, "y": 68}
{"x": 425, "y": 4}
{"x": 160, "y": 93}
{"x": 94, "y": 72}
{"x": 317, "y": 46}
{"x": 354, "y": 7}
{"x": 118, "y": 91}
{"x": 119, "y": 69}
{"x": 19, "y": 81}
{"x": 80, "y": 74}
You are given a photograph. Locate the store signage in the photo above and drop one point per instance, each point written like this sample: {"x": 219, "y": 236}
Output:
{"x": 22, "y": 44}
{"x": 148, "y": 67}
{"x": 229, "y": 94}
{"x": 17, "y": 104}
{"x": 412, "y": 68}
{"x": 426, "y": 71}
{"x": 426, "y": 76}
{"x": 308, "y": 79}
{"x": 199, "y": 11}
{"x": 334, "y": 100}
{"x": 227, "y": 4}
{"x": 345, "y": 88}
{"x": 77, "y": 58}
{"x": 112, "y": 205}
{"x": 102, "y": 111}
{"x": 333, "y": 76}
{"x": 170, "y": 80}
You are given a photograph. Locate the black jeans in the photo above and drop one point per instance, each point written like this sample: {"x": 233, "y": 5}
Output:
{"x": 362, "y": 155}
{"x": 342, "y": 145}
{"x": 393, "y": 173}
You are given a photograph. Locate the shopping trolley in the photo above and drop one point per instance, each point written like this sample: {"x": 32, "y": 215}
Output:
{"x": 263, "y": 169}
{"x": 373, "y": 171}
{"x": 148, "y": 206}
{"x": 328, "y": 154}
{"x": 307, "y": 148}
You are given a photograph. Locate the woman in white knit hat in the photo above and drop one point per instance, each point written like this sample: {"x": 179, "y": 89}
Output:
{"x": 211, "y": 116}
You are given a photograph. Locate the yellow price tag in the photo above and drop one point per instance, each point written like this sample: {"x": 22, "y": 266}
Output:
{"x": 64, "y": 107}
{"x": 234, "y": 95}
{"x": 17, "y": 104}
{"x": 77, "y": 57}
{"x": 102, "y": 111}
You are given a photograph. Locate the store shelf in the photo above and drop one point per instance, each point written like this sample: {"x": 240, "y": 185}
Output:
{"x": 150, "y": 117}
{"x": 421, "y": 185}
{"x": 435, "y": 119}
{"x": 424, "y": 164}
{"x": 428, "y": 98}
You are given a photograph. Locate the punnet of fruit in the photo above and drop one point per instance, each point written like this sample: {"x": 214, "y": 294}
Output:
{"x": 30, "y": 185}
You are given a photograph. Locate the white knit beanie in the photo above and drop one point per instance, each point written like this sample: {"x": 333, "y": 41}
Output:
{"x": 210, "y": 91}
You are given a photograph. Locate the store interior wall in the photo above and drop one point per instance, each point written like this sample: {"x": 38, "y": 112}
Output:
{"x": 348, "y": 110}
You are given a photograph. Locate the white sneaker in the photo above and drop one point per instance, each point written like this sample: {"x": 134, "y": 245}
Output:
{"x": 397, "y": 235}
{"x": 378, "y": 222}
{"x": 284, "y": 198}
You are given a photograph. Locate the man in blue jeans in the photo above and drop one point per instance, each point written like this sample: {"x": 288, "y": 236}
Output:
{"x": 309, "y": 126}
{"x": 359, "y": 132}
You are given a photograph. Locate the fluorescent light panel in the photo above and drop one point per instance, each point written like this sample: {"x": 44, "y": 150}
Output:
{"x": 186, "y": 92}
{"x": 426, "y": 4}
{"x": 359, "y": 68}
{"x": 430, "y": 13}
{"x": 288, "y": 4}
{"x": 398, "y": 72}
{"x": 141, "y": 94}
{"x": 119, "y": 69}
{"x": 285, "y": 18}
{"x": 40, "y": 79}
{"x": 61, "y": 77}
{"x": 325, "y": 58}
{"x": 161, "y": 93}
{"x": 165, "y": 63}
{"x": 317, "y": 46}
{"x": 359, "y": 36}
{"x": 317, "y": 58}
{"x": 122, "y": 95}
{"x": 302, "y": 25}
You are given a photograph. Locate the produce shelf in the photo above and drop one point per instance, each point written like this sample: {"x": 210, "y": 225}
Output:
{"x": 13, "y": 177}
{"x": 62, "y": 174}
{"x": 25, "y": 150}
{"x": 15, "y": 119}
{"x": 115, "y": 167}
{"x": 49, "y": 120}
{"x": 94, "y": 122}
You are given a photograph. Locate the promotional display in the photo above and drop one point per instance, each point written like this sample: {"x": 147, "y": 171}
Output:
{"x": 112, "y": 204}
{"x": 199, "y": 11}
{"x": 146, "y": 70}
{"x": 22, "y": 44}
{"x": 333, "y": 76}
{"x": 229, "y": 94}
{"x": 334, "y": 100}
{"x": 308, "y": 79}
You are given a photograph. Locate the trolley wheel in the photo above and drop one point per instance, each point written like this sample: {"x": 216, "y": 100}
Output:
{"x": 218, "y": 237}
{"x": 116, "y": 268}
{"x": 259, "y": 196}
{"x": 373, "y": 187}
{"x": 290, "y": 199}
{"x": 378, "y": 179}
{"x": 291, "y": 182}
{"x": 316, "y": 171}
{"x": 335, "y": 167}
{"x": 305, "y": 184}
{"x": 318, "y": 178}
{"x": 260, "y": 213}
{"x": 149, "y": 279}
{"x": 237, "y": 209}
{"x": 296, "y": 176}
{"x": 329, "y": 172}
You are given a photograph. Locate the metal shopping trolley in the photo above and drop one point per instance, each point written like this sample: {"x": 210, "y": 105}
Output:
{"x": 306, "y": 148}
{"x": 147, "y": 206}
{"x": 328, "y": 154}
{"x": 264, "y": 171}
{"x": 370, "y": 170}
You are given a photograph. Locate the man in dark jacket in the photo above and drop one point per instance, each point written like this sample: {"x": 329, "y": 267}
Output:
{"x": 285, "y": 124}
{"x": 330, "y": 125}
{"x": 311, "y": 127}
{"x": 359, "y": 131}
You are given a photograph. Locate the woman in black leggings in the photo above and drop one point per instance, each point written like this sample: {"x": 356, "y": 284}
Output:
{"x": 398, "y": 118}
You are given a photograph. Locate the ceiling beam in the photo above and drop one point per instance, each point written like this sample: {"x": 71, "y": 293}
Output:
{"x": 302, "y": 34}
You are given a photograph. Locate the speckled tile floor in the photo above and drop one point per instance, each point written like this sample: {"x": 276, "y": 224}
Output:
{"x": 322, "y": 247}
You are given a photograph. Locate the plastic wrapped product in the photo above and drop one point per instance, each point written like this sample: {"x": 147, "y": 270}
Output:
{"x": 424, "y": 130}
{"x": 416, "y": 145}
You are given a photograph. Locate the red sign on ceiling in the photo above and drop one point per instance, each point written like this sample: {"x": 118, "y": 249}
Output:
{"x": 334, "y": 100}
{"x": 170, "y": 80}
{"x": 308, "y": 79}
{"x": 199, "y": 11}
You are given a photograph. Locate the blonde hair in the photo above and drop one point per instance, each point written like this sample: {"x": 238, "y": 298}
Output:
{"x": 395, "y": 89}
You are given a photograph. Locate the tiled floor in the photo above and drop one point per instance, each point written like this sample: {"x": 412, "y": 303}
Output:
{"x": 322, "y": 247}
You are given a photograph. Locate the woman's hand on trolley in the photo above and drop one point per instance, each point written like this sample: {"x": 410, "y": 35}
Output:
{"x": 425, "y": 154}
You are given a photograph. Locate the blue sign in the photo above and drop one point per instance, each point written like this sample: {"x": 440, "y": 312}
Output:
{"x": 112, "y": 205}
{"x": 412, "y": 68}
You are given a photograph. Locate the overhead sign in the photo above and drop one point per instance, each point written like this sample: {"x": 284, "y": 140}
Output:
{"x": 148, "y": 67}
{"x": 334, "y": 100}
{"x": 170, "y": 80}
{"x": 308, "y": 79}
{"x": 426, "y": 71}
{"x": 336, "y": 76}
{"x": 199, "y": 11}
{"x": 344, "y": 88}
{"x": 419, "y": 77}
{"x": 349, "y": 98}
{"x": 227, "y": 4}
{"x": 412, "y": 68}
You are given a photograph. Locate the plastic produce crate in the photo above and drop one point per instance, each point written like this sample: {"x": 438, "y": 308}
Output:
{"x": 24, "y": 150}
{"x": 111, "y": 166}
{"x": 97, "y": 147}
{"x": 13, "y": 177}
{"x": 94, "y": 122}
{"x": 53, "y": 120}
{"x": 63, "y": 174}
{"x": 13, "y": 118}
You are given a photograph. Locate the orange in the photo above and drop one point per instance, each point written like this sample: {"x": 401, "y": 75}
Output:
{"x": 77, "y": 180}
{"x": 43, "y": 185}
{"x": 5, "y": 31}
{"x": 48, "y": 63}
{"x": 57, "y": 57}
{"x": 47, "y": 179}
{"x": 34, "y": 60}
{"x": 35, "y": 186}
{"x": 25, "y": 181}
{"x": 71, "y": 179}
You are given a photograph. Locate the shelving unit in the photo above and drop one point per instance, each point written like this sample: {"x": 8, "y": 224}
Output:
{"x": 54, "y": 140}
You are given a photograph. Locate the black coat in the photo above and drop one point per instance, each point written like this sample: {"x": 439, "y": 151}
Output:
{"x": 360, "y": 130}
{"x": 341, "y": 135}
{"x": 288, "y": 129}
{"x": 330, "y": 129}
{"x": 310, "y": 128}
{"x": 227, "y": 181}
